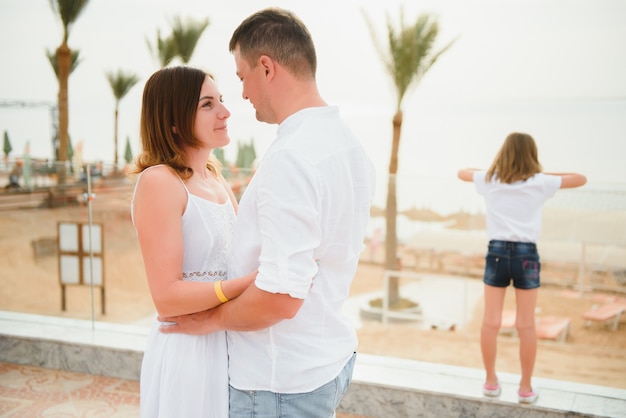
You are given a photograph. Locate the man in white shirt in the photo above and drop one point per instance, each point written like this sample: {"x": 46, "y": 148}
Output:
{"x": 302, "y": 223}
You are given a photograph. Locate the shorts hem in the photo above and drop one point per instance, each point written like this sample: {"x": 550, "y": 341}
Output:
{"x": 496, "y": 285}
{"x": 528, "y": 288}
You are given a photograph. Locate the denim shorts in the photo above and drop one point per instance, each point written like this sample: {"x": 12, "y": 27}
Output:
{"x": 320, "y": 403}
{"x": 517, "y": 261}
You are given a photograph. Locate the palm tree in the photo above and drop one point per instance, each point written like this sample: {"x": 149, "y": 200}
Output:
{"x": 407, "y": 57}
{"x": 164, "y": 49}
{"x": 128, "y": 152}
{"x": 121, "y": 83}
{"x": 186, "y": 35}
{"x": 181, "y": 43}
{"x": 68, "y": 11}
{"x": 6, "y": 146}
{"x": 54, "y": 61}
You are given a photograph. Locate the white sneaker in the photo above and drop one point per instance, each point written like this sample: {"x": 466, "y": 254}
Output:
{"x": 528, "y": 397}
{"x": 492, "y": 391}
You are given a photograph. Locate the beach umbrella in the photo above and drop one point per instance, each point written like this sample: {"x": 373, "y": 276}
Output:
{"x": 77, "y": 160}
{"x": 239, "y": 161}
{"x": 7, "y": 148}
{"x": 128, "y": 152}
{"x": 246, "y": 155}
{"x": 219, "y": 154}
{"x": 70, "y": 154}
{"x": 70, "y": 149}
{"x": 251, "y": 154}
{"x": 27, "y": 166}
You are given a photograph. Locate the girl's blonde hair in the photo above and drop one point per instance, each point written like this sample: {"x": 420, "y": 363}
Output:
{"x": 516, "y": 161}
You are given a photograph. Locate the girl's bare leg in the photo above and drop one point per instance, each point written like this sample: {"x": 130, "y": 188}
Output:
{"x": 526, "y": 301}
{"x": 492, "y": 319}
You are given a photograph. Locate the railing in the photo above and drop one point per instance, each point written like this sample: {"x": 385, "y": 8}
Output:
{"x": 583, "y": 241}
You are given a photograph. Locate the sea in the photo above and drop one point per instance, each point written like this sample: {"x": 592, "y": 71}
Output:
{"x": 587, "y": 136}
{"x": 584, "y": 135}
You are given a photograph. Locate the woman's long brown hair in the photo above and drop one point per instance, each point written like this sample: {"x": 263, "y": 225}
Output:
{"x": 170, "y": 99}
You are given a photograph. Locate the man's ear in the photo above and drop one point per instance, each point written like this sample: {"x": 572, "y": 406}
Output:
{"x": 267, "y": 64}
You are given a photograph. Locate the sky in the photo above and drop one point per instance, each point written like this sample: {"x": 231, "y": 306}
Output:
{"x": 508, "y": 54}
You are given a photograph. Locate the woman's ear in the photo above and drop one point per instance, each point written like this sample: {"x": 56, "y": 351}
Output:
{"x": 174, "y": 131}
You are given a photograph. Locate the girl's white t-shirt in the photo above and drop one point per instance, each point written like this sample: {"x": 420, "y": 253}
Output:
{"x": 514, "y": 210}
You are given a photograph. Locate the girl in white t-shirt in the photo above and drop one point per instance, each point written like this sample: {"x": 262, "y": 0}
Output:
{"x": 514, "y": 188}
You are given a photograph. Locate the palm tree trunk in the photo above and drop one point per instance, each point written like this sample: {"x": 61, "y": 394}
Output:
{"x": 64, "y": 58}
{"x": 391, "y": 239}
{"x": 115, "y": 137}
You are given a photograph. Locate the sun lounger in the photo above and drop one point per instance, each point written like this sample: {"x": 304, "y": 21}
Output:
{"x": 548, "y": 327}
{"x": 620, "y": 276}
{"x": 553, "y": 328}
{"x": 606, "y": 313}
{"x": 508, "y": 322}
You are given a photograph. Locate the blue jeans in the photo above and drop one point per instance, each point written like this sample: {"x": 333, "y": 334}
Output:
{"x": 320, "y": 403}
{"x": 508, "y": 260}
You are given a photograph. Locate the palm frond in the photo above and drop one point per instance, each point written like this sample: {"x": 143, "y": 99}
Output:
{"x": 54, "y": 62}
{"x": 185, "y": 35}
{"x": 121, "y": 82}
{"x": 164, "y": 49}
{"x": 408, "y": 54}
{"x": 68, "y": 11}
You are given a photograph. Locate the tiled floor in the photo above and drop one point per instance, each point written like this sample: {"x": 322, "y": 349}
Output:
{"x": 32, "y": 392}
{"x": 27, "y": 392}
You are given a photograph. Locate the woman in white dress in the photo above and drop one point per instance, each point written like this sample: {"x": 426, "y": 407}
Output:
{"x": 183, "y": 211}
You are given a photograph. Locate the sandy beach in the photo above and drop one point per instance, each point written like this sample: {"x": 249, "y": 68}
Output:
{"x": 591, "y": 354}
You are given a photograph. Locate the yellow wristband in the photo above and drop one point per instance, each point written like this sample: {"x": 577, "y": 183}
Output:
{"x": 219, "y": 292}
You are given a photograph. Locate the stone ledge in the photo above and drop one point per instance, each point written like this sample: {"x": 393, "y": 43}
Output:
{"x": 393, "y": 387}
{"x": 102, "y": 349}
{"x": 381, "y": 387}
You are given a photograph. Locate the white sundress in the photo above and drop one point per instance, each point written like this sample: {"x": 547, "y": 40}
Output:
{"x": 187, "y": 375}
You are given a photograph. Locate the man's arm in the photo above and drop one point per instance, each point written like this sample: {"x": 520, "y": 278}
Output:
{"x": 253, "y": 309}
